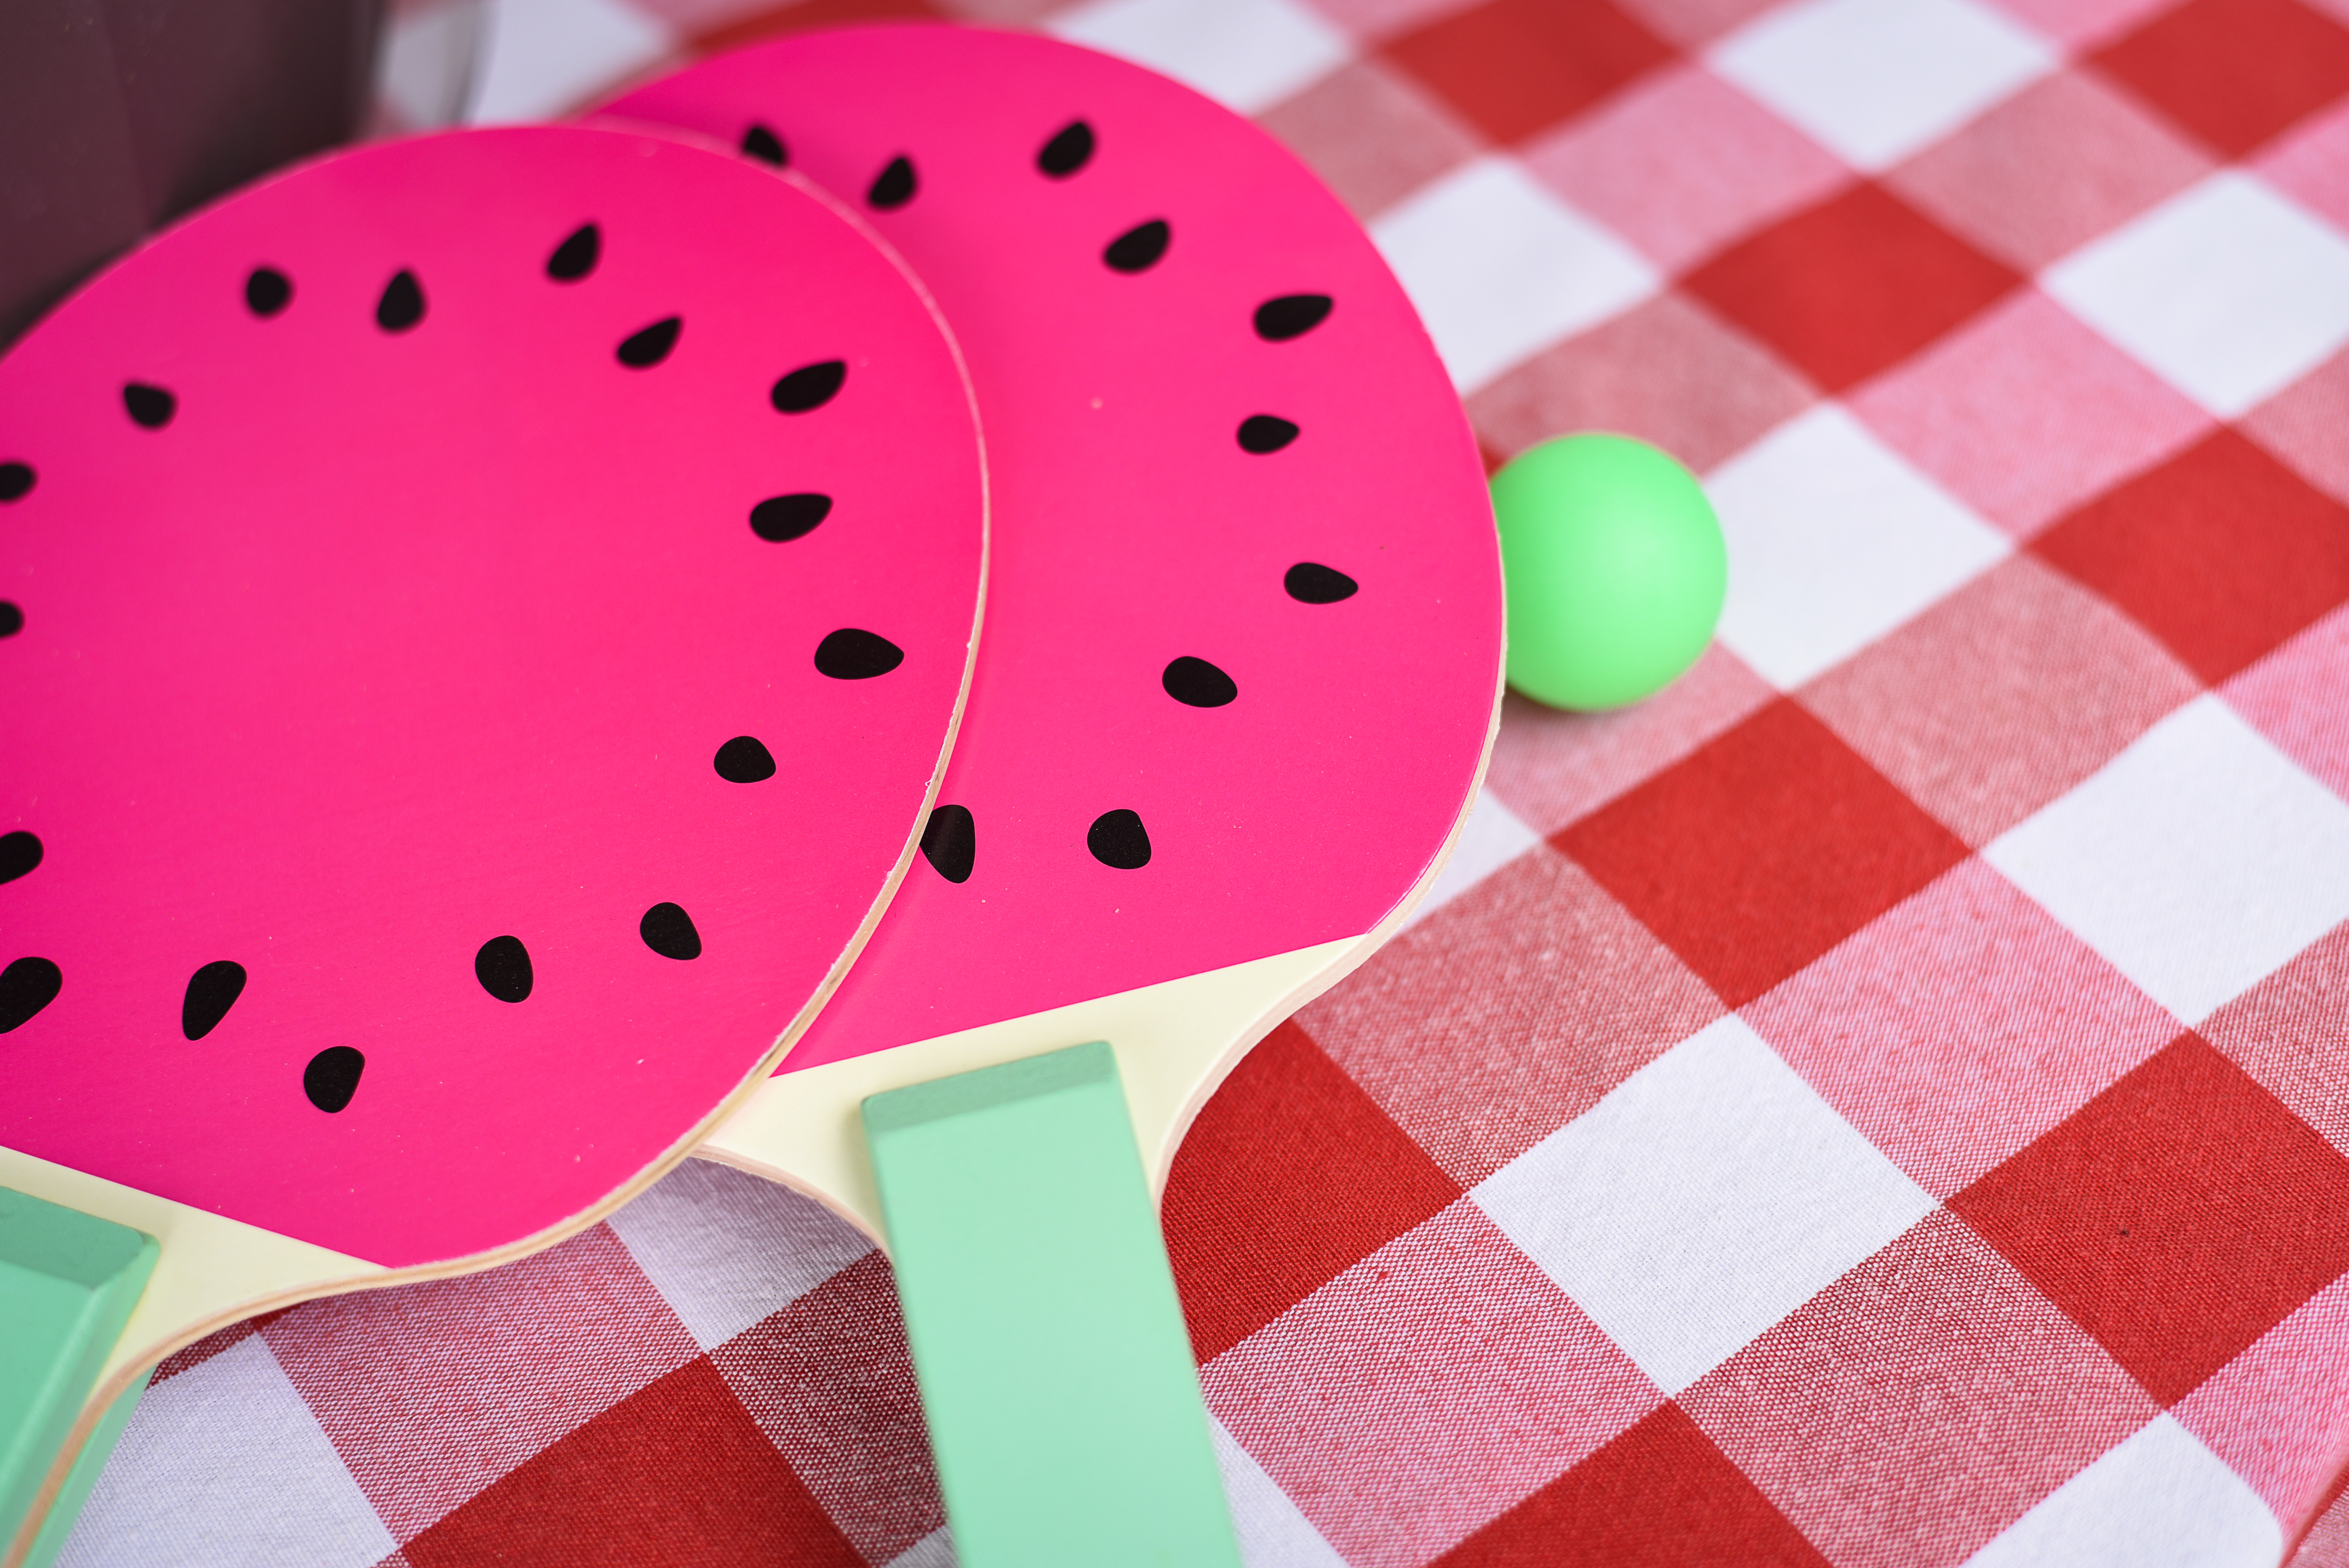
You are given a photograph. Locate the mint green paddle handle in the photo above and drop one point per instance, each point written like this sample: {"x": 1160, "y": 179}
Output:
{"x": 67, "y": 1283}
{"x": 1056, "y": 1372}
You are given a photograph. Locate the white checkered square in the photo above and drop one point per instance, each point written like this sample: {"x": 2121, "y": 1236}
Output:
{"x": 225, "y": 1465}
{"x": 1247, "y": 55}
{"x": 1273, "y": 1531}
{"x": 1834, "y": 540}
{"x": 1708, "y": 1196}
{"x": 2227, "y": 290}
{"x": 2197, "y": 862}
{"x": 1876, "y": 80}
{"x": 2159, "y": 1499}
{"x": 544, "y": 57}
{"x": 1500, "y": 268}
{"x": 725, "y": 1248}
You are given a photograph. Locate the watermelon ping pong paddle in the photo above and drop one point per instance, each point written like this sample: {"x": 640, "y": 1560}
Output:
{"x": 484, "y": 618}
{"x": 1241, "y": 674}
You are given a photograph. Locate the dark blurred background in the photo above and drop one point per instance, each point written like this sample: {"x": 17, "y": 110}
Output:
{"x": 117, "y": 114}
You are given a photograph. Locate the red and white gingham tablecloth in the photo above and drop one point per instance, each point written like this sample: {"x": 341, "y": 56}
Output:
{"x": 1884, "y": 1101}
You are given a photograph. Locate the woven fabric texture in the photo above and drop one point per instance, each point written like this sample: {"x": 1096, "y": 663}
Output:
{"x": 1884, "y": 1101}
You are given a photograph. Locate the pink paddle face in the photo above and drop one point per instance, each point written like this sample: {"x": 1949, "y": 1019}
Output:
{"x": 486, "y": 613}
{"x": 1244, "y": 618}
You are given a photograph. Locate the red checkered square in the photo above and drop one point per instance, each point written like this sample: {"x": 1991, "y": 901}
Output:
{"x": 1851, "y": 286}
{"x": 1660, "y": 1496}
{"x": 1290, "y": 1148}
{"x": 1667, "y": 371}
{"x": 1683, "y": 162}
{"x": 1960, "y": 1026}
{"x": 2311, "y": 165}
{"x": 1371, "y": 135}
{"x": 2291, "y": 1032}
{"x": 2024, "y": 413}
{"x": 2221, "y": 552}
{"x": 2178, "y": 1217}
{"x": 2002, "y": 696}
{"x": 2233, "y": 72}
{"x": 2276, "y": 1412}
{"x": 2293, "y": 696}
{"x": 2302, "y": 425}
{"x": 1761, "y": 851}
{"x": 1514, "y": 66}
{"x": 1507, "y": 1013}
{"x": 1551, "y": 767}
{"x": 1914, "y": 1409}
{"x": 829, "y": 1380}
{"x": 674, "y": 1474}
{"x": 2052, "y": 168}
{"x": 431, "y": 1394}
{"x": 1426, "y": 1390}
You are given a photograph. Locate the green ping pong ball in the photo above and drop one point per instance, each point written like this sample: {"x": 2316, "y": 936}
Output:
{"x": 1614, "y": 570}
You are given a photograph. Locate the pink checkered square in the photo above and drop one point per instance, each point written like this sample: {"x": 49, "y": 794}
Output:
{"x": 1668, "y": 371}
{"x": 1551, "y": 767}
{"x": 2302, "y": 425}
{"x": 1508, "y": 1013}
{"x": 2312, "y": 165}
{"x": 2081, "y": 24}
{"x": 2276, "y": 1413}
{"x": 2024, "y": 413}
{"x": 2291, "y": 1032}
{"x": 2000, "y": 697}
{"x": 432, "y": 1394}
{"x": 2293, "y": 698}
{"x": 1372, "y": 134}
{"x": 1682, "y": 163}
{"x": 1693, "y": 23}
{"x": 1915, "y": 1408}
{"x": 1424, "y": 1391}
{"x": 829, "y": 1380}
{"x": 1960, "y": 1027}
{"x": 2049, "y": 169}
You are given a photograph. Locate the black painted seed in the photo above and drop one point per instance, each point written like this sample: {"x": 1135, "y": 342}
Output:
{"x": 27, "y": 986}
{"x": 781, "y": 518}
{"x": 15, "y": 480}
{"x": 577, "y": 255}
{"x": 1198, "y": 684}
{"x": 502, "y": 966}
{"x": 333, "y": 1078}
{"x": 267, "y": 291}
{"x": 12, "y": 619}
{"x": 669, "y": 931}
{"x": 402, "y": 308}
{"x": 849, "y": 654}
{"x": 810, "y": 386}
{"x": 744, "y": 759}
{"x": 1139, "y": 248}
{"x": 1262, "y": 433}
{"x": 1070, "y": 148}
{"x": 148, "y": 405}
{"x": 764, "y": 145}
{"x": 1290, "y": 316}
{"x": 950, "y": 843}
{"x": 20, "y": 852}
{"x": 643, "y": 350}
{"x": 894, "y": 186}
{"x": 211, "y": 992}
{"x": 1117, "y": 839}
{"x": 1310, "y": 583}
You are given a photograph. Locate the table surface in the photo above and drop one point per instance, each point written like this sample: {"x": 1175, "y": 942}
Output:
{"x": 1884, "y": 1101}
